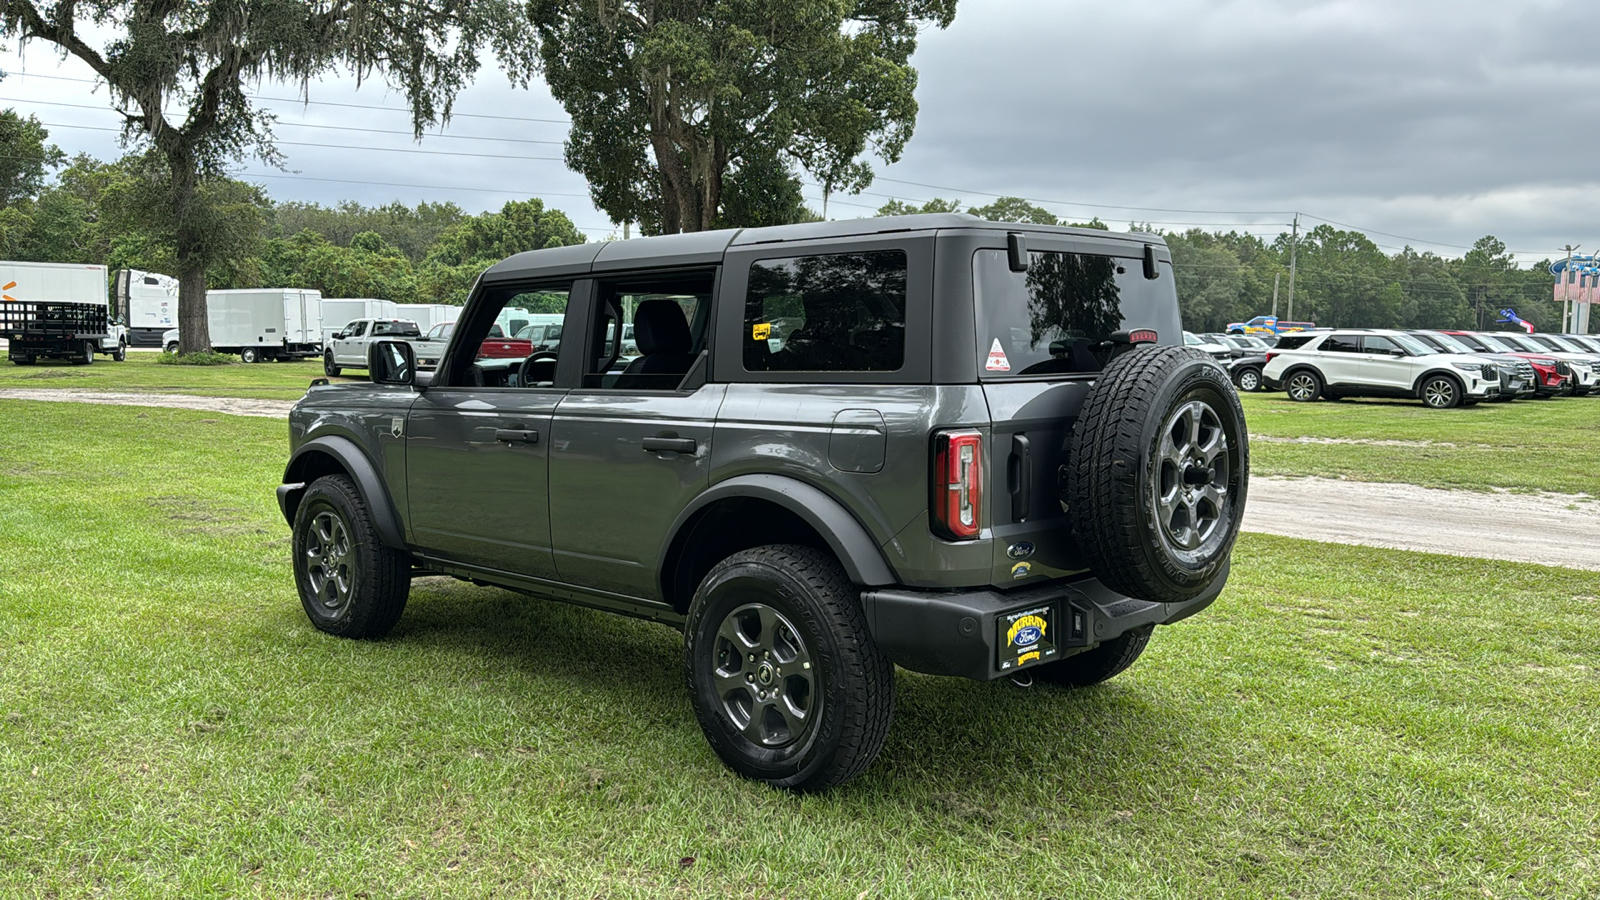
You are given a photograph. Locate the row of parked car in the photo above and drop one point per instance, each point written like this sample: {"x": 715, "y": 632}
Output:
{"x": 1443, "y": 369}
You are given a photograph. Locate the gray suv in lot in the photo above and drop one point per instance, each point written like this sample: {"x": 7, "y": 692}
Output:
{"x": 960, "y": 447}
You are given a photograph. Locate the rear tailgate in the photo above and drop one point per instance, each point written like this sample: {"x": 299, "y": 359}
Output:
{"x": 1042, "y": 338}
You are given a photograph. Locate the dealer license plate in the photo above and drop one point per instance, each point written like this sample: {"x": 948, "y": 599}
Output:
{"x": 1027, "y": 637}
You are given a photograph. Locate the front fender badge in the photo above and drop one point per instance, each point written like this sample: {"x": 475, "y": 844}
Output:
{"x": 397, "y": 427}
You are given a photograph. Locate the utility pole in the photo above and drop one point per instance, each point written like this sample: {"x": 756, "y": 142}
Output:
{"x": 1294, "y": 251}
{"x": 1275, "y": 277}
{"x": 1566, "y": 290}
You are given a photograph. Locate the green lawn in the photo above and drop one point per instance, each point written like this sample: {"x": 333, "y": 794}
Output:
{"x": 1527, "y": 445}
{"x": 141, "y": 372}
{"x": 1344, "y": 723}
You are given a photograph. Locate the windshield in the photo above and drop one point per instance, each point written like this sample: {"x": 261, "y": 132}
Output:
{"x": 1191, "y": 340}
{"x": 398, "y": 329}
{"x": 1590, "y": 345}
{"x": 1559, "y": 344}
{"x": 1250, "y": 341}
{"x": 1412, "y": 345}
{"x": 1493, "y": 342}
{"x": 1521, "y": 343}
{"x": 1056, "y": 317}
{"x": 1450, "y": 343}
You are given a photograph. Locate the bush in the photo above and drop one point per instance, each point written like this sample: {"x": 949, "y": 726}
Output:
{"x": 198, "y": 359}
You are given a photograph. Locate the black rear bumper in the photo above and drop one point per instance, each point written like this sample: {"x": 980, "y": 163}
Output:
{"x": 957, "y": 633}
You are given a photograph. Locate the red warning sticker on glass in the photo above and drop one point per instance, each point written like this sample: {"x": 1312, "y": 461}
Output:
{"x": 997, "y": 359}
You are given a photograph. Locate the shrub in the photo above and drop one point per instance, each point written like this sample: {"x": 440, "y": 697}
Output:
{"x": 206, "y": 358}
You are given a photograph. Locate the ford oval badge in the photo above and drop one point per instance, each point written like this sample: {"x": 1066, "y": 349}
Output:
{"x": 1020, "y": 550}
{"x": 1027, "y": 636}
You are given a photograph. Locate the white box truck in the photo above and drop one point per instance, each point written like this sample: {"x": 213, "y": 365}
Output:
{"x": 336, "y": 314}
{"x": 148, "y": 303}
{"x": 427, "y": 315}
{"x": 265, "y": 323}
{"x": 58, "y": 311}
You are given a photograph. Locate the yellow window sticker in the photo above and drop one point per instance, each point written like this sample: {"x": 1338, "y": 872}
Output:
{"x": 760, "y": 331}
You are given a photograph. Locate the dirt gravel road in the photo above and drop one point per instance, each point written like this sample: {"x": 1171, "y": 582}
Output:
{"x": 1551, "y": 529}
{"x": 234, "y": 406}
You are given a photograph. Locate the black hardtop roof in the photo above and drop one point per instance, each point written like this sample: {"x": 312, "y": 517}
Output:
{"x": 709, "y": 246}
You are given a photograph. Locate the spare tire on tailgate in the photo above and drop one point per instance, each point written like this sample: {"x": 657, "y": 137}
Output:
{"x": 1158, "y": 472}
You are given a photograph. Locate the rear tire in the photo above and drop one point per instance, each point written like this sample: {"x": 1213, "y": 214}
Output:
{"x": 85, "y": 355}
{"x": 1303, "y": 386}
{"x": 1248, "y": 379}
{"x": 784, "y": 676}
{"x": 250, "y": 355}
{"x": 1100, "y": 664}
{"x": 328, "y": 368}
{"x": 350, "y": 583}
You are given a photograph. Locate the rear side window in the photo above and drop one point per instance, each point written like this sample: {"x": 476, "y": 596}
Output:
{"x": 397, "y": 329}
{"x": 1293, "y": 341}
{"x": 1056, "y": 317}
{"x": 843, "y": 312}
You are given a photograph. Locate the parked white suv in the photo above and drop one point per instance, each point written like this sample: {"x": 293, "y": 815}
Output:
{"x": 1350, "y": 363}
{"x": 347, "y": 348}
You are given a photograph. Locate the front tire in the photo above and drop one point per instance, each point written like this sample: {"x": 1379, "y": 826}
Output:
{"x": 1100, "y": 664}
{"x": 328, "y": 368}
{"x": 785, "y": 678}
{"x": 1441, "y": 392}
{"x": 171, "y": 348}
{"x": 350, "y": 583}
{"x": 121, "y": 353}
{"x": 250, "y": 355}
{"x": 1248, "y": 380}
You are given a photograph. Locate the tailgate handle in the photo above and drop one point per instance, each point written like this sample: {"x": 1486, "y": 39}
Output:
{"x": 516, "y": 436}
{"x": 1020, "y": 476}
{"x": 670, "y": 444}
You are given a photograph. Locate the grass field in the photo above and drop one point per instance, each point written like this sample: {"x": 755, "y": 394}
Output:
{"x": 141, "y": 372}
{"x": 1344, "y": 723}
{"x": 1527, "y": 445}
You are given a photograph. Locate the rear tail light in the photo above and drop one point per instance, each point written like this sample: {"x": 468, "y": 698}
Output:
{"x": 1270, "y": 355}
{"x": 957, "y": 483}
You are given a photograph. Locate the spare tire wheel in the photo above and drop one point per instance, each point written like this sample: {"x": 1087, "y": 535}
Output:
{"x": 1158, "y": 473}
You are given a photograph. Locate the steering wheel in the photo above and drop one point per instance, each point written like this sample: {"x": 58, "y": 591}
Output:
{"x": 525, "y": 370}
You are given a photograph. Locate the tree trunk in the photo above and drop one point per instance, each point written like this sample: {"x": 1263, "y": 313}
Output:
{"x": 194, "y": 327}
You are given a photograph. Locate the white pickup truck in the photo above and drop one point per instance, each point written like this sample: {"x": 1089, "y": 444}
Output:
{"x": 347, "y": 347}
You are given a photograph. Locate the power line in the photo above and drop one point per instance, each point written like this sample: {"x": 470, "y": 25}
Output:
{"x": 453, "y": 137}
{"x": 354, "y": 147}
{"x": 453, "y": 115}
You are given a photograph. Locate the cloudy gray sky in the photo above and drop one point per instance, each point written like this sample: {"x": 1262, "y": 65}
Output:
{"x": 1423, "y": 123}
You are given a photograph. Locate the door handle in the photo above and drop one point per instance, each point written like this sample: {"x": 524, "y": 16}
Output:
{"x": 669, "y": 445}
{"x": 1022, "y": 477}
{"x": 516, "y": 436}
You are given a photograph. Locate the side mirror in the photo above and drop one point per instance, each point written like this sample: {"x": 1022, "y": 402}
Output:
{"x": 392, "y": 362}
{"x": 338, "y": 335}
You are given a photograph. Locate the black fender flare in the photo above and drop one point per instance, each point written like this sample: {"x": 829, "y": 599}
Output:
{"x": 856, "y": 550}
{"x": 369, "y": 484}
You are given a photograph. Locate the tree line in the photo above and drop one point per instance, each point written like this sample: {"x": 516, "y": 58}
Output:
{"x": 1342, "y": 279}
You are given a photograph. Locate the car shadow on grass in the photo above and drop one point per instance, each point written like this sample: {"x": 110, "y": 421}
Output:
{"x": 967, "y": 749}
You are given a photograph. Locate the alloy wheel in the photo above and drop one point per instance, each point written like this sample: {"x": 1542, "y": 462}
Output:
{"x": 1440, "y": 393}
{"x": 1191, "y": 491}
{"x": 762, "y": 672}
{"x": 1302, "y": 387}
{"x": 330, "y": 562}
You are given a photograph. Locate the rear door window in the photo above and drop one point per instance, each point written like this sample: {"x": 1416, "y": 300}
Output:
{"x": 1057, "y": 317}
{"x": 841, "y": 312}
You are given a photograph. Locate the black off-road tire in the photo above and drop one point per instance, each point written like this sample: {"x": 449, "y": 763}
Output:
{"x": 85, "y": 355}
{"x": 849, "y": 684}
{"x": 1100, "y": 664}
{"x": 379, "y": 577}
{"x": 1157, "y": 475}
{"x": 1303, "y": 386}
{"x": 328, "y": 368}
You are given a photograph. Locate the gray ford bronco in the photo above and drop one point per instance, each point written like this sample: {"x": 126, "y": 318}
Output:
{"x": 956, "y": 446}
